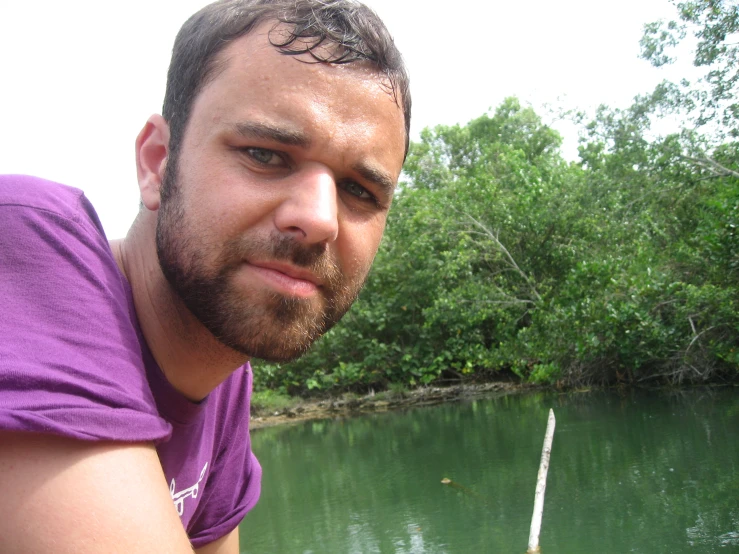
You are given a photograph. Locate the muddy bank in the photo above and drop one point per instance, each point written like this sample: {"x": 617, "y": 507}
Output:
{"x": 381, "y": 402}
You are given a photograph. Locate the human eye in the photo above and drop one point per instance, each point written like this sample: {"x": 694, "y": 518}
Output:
{"x": 264, "y": 156}
{"x": 355, "y": 189}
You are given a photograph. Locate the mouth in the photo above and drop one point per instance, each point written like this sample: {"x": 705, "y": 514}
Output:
{"x": 286, "y": 279}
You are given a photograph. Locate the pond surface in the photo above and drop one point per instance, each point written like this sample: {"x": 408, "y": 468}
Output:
{"x": 645, "y": 472}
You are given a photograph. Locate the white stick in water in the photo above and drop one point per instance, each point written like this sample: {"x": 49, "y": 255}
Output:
{"x": 541, "y": 485}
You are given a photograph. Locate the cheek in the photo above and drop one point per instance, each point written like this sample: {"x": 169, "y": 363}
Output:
{"x": 359, "y": 249}
{"x": 227, "y": 206}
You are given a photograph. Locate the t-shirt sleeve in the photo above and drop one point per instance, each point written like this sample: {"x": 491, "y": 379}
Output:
{"x": 234, "y": 484}
{"x": 70, "y": 360}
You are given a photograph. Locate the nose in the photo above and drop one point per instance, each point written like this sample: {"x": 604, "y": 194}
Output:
{"x": 309, "y": 210}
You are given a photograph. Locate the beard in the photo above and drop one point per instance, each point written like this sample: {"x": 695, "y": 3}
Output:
{"x": 252, "y": 321}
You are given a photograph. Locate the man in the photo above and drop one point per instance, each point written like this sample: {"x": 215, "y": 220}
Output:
{"x": 124, "y": 376}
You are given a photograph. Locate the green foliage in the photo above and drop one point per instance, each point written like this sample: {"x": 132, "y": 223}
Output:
{"x": 714, "y": 27}
{"x": 501, "y": 256}
{"x": 269, "y": 401}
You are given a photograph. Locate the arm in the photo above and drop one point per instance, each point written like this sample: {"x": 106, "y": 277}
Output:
{"x": 66, "y": 496}
{"x": 225, "y": 545}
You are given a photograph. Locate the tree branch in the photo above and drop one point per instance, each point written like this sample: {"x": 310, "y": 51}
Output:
{"x": 493, "y": 236}
{"x": 713, "y": 166}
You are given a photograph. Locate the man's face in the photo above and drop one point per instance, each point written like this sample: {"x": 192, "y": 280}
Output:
{"x": 278, "y": 199}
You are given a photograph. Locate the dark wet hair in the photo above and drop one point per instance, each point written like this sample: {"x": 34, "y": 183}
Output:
{"x": 353, "y": 32}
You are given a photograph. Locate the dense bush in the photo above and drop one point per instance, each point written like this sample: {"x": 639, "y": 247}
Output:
{"x": 501, "y": 256}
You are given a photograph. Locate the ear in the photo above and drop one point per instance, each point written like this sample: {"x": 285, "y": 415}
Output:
{"x": 152, "y": 150}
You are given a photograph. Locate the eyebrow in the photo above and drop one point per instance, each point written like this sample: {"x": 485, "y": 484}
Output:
{"x": 378, "y": 177}
{"x": 291, "y": 137}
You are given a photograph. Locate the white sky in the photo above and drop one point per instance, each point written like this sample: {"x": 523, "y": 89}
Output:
{"x": 78, "y": 78}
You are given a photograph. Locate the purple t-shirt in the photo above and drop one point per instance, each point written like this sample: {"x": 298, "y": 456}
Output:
{"x": 73, "y": 361}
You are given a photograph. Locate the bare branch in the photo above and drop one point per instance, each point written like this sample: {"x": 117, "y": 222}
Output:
{"x": 713, "y": 166}
{"x": 493, "y": 236}
{"x": 696, "y": 337}
{"x": 511, "y": 301}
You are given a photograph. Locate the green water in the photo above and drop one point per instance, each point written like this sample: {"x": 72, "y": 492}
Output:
{"x": 643, "y": 472}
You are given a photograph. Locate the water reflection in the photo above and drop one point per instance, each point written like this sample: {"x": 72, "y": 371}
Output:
{"x": 643, "y": 472}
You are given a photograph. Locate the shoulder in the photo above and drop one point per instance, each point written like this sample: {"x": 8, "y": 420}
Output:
{"x": 51, "y": 231}
{"x": 70, "y": 359}
{"x": 37, "y": 193}
{"x": 23, "y": 194}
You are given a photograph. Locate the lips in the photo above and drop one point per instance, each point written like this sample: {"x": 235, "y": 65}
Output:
{"x": 286, "y": 279}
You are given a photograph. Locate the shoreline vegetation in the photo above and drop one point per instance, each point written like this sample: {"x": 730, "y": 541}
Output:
{"x": 502, "y": 257}
{"x": 271, "y": 409}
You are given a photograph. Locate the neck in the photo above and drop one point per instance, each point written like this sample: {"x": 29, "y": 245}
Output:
{"x": 190, "y": 357}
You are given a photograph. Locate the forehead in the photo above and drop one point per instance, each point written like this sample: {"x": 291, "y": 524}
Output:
{"x": 253, "y": 78}
{"x": 255, "y": 56}
{"x": 274, "y": 40}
